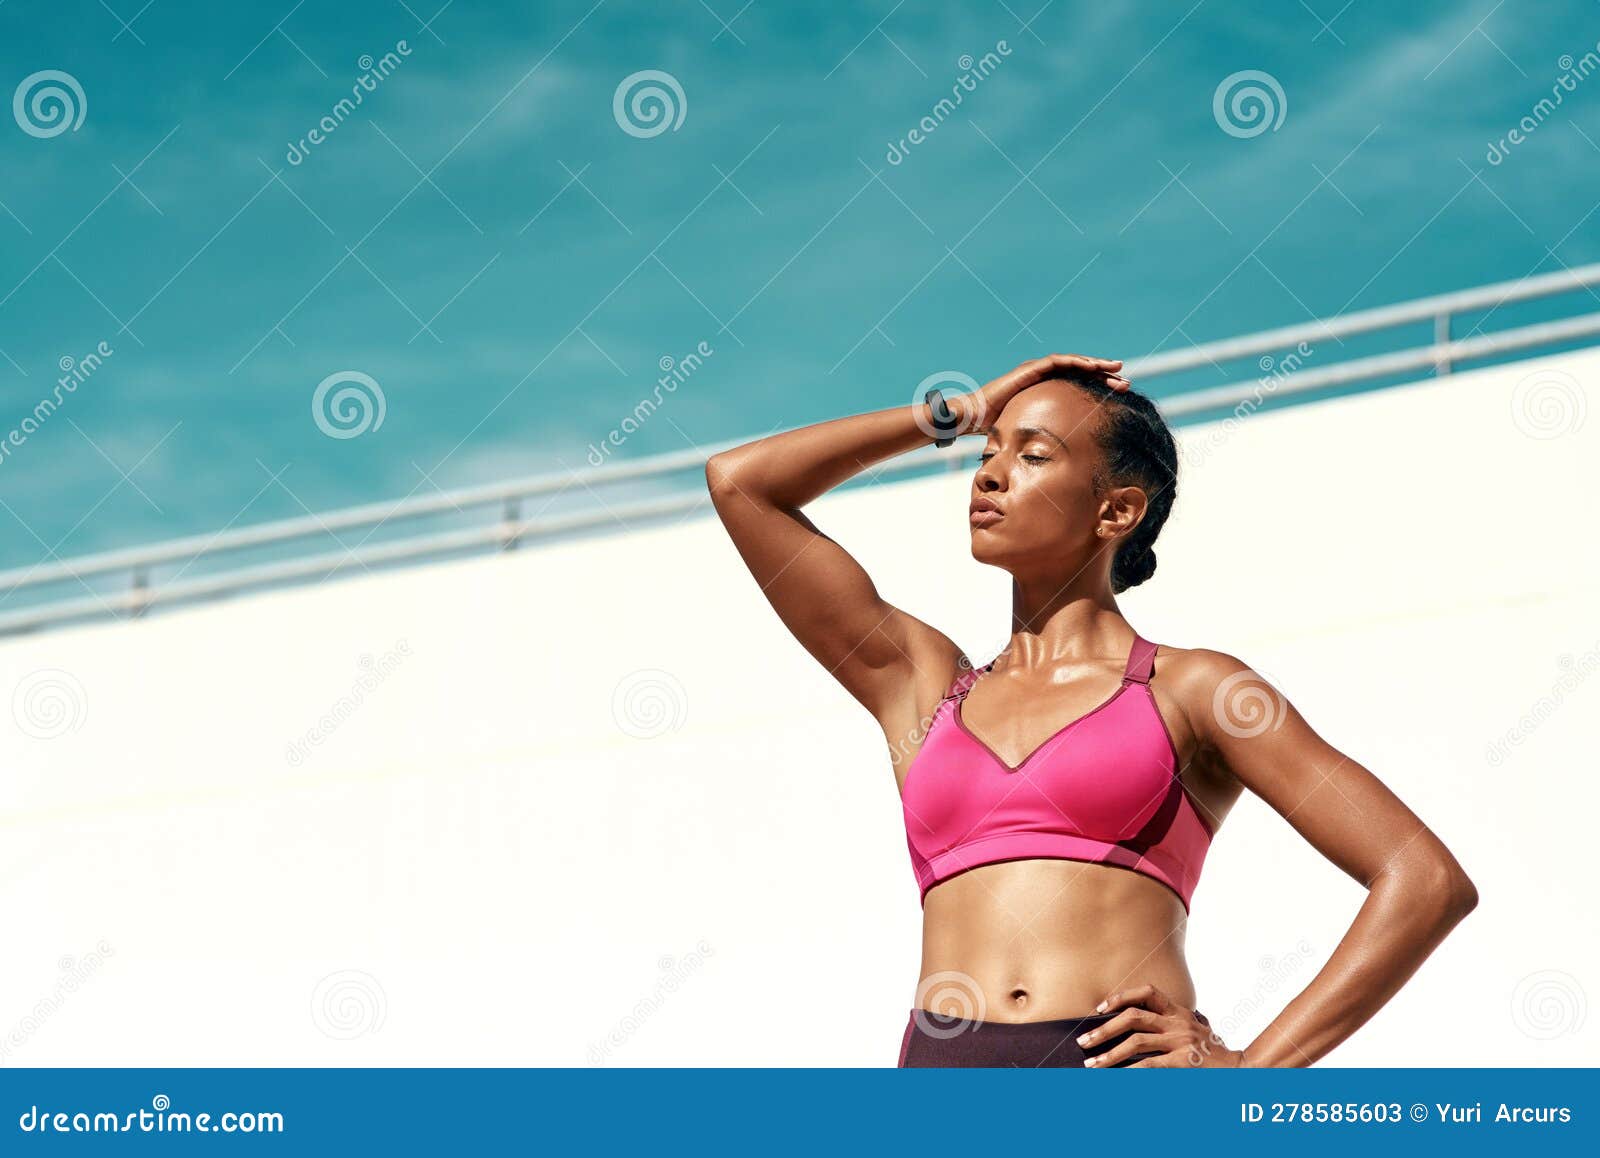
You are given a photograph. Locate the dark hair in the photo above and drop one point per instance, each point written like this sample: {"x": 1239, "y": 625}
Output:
{"x": 1139, "y": 450}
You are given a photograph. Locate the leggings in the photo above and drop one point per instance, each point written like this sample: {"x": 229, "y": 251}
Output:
{"x": 932, "y": 1039}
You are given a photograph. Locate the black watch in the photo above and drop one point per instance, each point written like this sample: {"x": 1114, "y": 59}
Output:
{"x": 944, "y": 422}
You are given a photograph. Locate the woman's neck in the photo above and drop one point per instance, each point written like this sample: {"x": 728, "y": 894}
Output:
{"x": 1049, "y": 628}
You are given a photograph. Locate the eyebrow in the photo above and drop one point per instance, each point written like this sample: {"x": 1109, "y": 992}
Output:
{"x": 1027, "y": 432}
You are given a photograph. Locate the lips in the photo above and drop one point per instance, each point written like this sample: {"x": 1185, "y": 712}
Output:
{"x": 984, "y": 513}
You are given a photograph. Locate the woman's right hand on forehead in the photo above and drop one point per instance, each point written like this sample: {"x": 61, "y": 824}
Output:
{"x": 983, "y": 406}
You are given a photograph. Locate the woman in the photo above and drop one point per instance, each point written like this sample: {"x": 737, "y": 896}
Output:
{"x": 1059, "y": 801}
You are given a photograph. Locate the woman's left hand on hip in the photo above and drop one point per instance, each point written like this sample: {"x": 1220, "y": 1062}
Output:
{"x": 1155, "y": 1023}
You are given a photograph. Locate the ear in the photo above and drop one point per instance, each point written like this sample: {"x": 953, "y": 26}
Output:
{"x": 1121, "y": 511}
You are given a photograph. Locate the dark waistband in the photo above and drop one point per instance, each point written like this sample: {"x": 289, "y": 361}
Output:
{"x": 1069, "y": 1025}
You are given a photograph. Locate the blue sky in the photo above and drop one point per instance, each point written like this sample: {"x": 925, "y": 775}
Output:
{"x": 484, "y": 240}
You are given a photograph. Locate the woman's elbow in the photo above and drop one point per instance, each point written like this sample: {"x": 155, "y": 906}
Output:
{"x": 1435, "y": 884}
{"x": 720, "y": 472}
{"x": 1465, "y": 895}
{"x": 1457, "y": 895}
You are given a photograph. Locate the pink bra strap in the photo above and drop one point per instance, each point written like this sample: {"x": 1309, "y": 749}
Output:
{"x": 1141, "y": 661}
{"x": 1141, "y": 666}
{"x": 963, "y": 683}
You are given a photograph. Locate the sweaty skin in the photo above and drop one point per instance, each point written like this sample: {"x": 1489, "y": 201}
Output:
{"x": 1038, "y": 939}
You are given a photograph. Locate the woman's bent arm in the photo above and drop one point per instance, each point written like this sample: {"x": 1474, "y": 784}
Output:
{"x": 888, "y": 660}
{"x": 1416, "y": 890}
{"x": 891, "y": 662}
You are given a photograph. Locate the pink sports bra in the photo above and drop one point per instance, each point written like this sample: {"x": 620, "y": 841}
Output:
{"x": 1103, "y": 789}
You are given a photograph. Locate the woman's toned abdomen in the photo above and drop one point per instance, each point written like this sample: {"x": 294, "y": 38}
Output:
{"x": 1037, "y": 939}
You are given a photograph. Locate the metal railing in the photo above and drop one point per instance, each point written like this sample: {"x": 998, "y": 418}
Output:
{"x": 508, "y": 499}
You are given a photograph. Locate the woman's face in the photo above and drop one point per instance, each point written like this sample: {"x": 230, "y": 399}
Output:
{"x": 1033, "y": 501}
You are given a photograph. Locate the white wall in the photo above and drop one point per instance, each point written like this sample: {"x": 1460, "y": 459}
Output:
{"x": 481, "y": 866}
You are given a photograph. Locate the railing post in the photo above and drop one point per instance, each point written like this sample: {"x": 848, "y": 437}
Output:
{"x": 511, "y": 517}
{"x": 141, "y": 592}
{"x": 1441, "y": 337}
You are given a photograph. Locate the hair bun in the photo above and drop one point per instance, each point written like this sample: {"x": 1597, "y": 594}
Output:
{"x": 1133, "y": 567}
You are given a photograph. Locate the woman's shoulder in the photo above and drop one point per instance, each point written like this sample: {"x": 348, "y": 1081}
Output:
{"x": 1195, "y": 675}
{"x": 1204, "y": 680}
{"x": 1205, "y": 686}
{"x": 1196, "y": 661}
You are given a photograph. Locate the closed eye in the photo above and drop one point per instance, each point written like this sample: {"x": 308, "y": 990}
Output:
{"x": 988, "y": 454}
